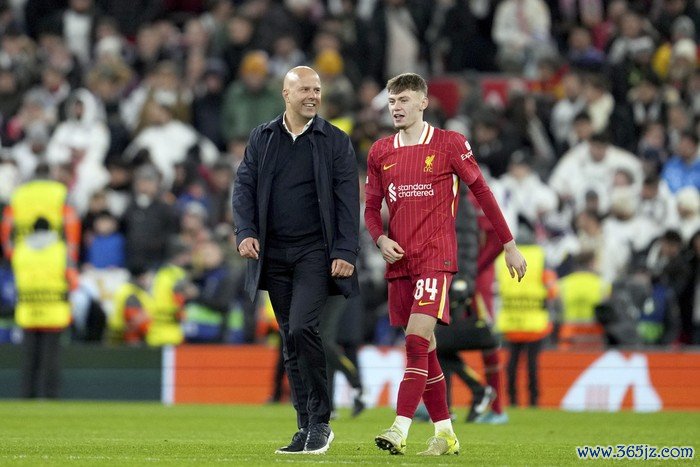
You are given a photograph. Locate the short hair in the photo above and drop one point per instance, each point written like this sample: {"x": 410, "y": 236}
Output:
{"x": 407, "y": 82}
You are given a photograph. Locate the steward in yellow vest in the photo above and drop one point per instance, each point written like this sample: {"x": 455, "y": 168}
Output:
{"x": 44, "y": 277}
{"x": 524, "y": 316}
{"x": 168, "y": 306}
{"x": 40, "y": 198}
{"x": 131, "y": 318}
{"x": 581, "y": 292}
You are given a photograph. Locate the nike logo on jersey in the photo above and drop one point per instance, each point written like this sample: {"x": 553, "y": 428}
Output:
{"x": 422, "y": 303}
{"x": 388, "y": 166}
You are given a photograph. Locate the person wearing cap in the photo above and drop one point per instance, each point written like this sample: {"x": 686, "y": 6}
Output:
{"x": 296, "y": 212}
{"x": 250, "y": 100}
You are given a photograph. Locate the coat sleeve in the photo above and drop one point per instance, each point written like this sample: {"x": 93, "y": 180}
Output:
{"x": 244, "y": 199}
{"x": 346, "y": 196}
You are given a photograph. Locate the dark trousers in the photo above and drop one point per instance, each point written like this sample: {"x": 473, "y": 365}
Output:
{"x": 336, "y": 360}
{"x": 533, "y": 352}
{"x": 452, "y": 364}
{"x": 42, "y": 365}
{"x": 297, "y": 281}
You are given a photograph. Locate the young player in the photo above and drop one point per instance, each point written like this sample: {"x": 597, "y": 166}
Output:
{"x": 417, "y": 172}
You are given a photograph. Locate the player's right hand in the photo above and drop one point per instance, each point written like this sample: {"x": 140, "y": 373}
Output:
{"x": 391, "y": 251}
{"x": 249, "y": 248}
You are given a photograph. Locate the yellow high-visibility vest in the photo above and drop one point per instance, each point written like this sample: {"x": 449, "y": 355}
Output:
{"x": 34, "y": 199}
{"x": 116, "y": 321}
{"x": 581, "y": 291}
{"x": 523, "y": 303}
{"x": 165, "y": 328}
{"x": 42, "y": 286}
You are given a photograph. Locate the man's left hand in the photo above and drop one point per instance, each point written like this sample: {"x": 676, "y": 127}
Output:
{"x": 341, "y": 268}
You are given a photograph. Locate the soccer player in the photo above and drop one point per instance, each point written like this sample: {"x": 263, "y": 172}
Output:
{"x": 417, "y": 172}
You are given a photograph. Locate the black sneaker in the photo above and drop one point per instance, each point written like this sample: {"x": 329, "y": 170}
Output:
{"x": 319, "y": 439}
{"x": 481, "y": 403}
{"x": 358, "y": 406}
{"x": 296, "y": 446}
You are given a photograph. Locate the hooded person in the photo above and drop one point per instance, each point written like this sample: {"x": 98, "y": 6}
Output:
{"x": 81, "y": 142}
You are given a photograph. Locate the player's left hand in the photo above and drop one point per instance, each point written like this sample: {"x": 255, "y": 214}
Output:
{"x": 341, "y": 268}
{"x": 515, "y": 260}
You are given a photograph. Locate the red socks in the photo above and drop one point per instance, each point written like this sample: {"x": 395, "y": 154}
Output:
{"x": 492, "y": 369}
{"x": 435, "y": 394}
{"x": 415, "y": 376}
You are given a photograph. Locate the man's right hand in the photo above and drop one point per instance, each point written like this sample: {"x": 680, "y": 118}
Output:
{"x": 391, "y": 251}
{"x": 249, "y": 248}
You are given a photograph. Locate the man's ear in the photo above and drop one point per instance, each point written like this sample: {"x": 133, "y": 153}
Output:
{"x": 424, "y": 103}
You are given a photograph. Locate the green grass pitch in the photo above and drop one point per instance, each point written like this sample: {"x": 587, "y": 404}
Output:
{"x": 101, "y": 433}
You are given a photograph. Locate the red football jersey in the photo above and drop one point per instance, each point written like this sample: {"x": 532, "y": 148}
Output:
{"x": 420, "y": 184}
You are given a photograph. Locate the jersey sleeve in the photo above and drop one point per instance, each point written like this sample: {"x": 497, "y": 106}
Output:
{"x": 374, "y": 194}
{"x": 462, "y": 159}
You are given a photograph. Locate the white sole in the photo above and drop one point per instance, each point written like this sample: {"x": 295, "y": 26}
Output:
{"x": 324, "y": 448}
{"x": 288, "y": 453}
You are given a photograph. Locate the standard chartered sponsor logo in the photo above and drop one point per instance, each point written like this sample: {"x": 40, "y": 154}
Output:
{"x": 416, "y": 190}
{"x": 410, "y": 191}
{"x": 392, "y": 192}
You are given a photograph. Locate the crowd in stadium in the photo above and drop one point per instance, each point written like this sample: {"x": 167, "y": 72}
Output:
{"x": 584, "y": 114}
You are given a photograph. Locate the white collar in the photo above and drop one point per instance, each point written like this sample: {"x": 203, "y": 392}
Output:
{"x": 425, "y": 137}
{"x": 294, "y": 137}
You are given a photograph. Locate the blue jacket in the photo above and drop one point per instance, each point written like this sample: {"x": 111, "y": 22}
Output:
{"x": 335, "y": 171}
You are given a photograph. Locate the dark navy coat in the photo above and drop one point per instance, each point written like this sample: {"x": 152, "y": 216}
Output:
{"x": 337, "y": 185}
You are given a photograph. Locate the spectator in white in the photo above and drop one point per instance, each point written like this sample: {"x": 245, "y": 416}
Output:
{"x": 658, "y": 204}
{"x": 683, "y": 28}
{"x": 599, "y": 102}
{"x": 168, "y": 141}
{"x": 76, "y": 24}
{"x": 566, "y": 109}
{"x": 9, "y": 179}
{"x": 582, "y": 130}
{"x": 561, "y": 245}
{"x": 30, "y": 150}
{"x": 162, "y": 82}
{"x": 592, "y": 166}
{"x": 631, "y": 27}
{"x": 625, "y": 232}
{"x": 684, "y": 58}
{"x": 524, "y": 189}
{"x": 688, "y": 204}
{"x": 83, "y": 137}
{"x": 521, "y": 30}
{"x": 589, "y": 231}
{"x": 81, "y": 143}
{"x": 683, "y": 168}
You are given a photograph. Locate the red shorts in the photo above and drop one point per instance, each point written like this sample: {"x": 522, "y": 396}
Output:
{"x": 426, "y": 293}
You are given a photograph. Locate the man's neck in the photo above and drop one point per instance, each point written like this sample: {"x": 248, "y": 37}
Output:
{"x": 295, "y": 125}
{"x": 411, "y": 135}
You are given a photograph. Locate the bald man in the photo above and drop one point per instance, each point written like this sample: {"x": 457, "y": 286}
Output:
{"x": 296, "y": 211}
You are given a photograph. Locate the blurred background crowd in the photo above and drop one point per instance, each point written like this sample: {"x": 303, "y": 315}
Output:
{"x": 585, "y": 114}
